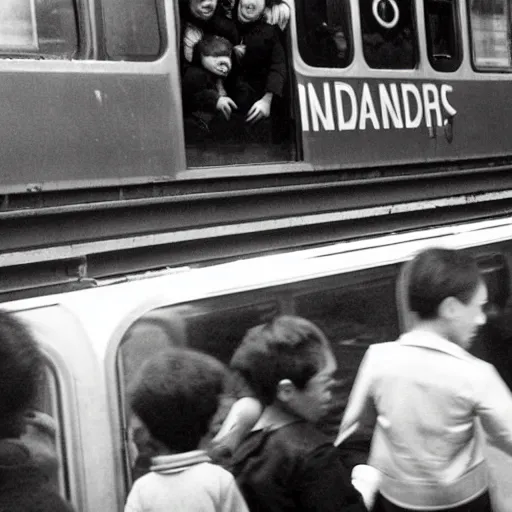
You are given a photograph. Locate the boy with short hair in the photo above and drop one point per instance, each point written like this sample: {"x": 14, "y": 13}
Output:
{"x": 285, "y": 463}
{"x": 424, "y": 393}
{"x": 174, "y": 398}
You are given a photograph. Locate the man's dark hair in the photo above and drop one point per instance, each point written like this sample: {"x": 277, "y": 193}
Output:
{"x": 21, "y": 365}
{"x": 289, "y": 347}
{"x": 436, "y": 274}
{"x": 176, "y": 393}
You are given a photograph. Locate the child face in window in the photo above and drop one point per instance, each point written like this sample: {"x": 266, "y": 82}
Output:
{"x": 202, "y": 9}
{"x": 250, "y": 10}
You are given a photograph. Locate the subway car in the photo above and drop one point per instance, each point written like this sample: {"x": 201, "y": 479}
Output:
{"x": 92, "y": 93}
{"x": 94, "y": 339}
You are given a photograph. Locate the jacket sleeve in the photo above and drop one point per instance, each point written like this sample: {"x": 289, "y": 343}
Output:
{"x": 197, "y": 94}
{"x": 360, "y": 410}
{"x": 277, "y": 72}
{"x": 324, "y": 485}
{"x": 494, "y": 408}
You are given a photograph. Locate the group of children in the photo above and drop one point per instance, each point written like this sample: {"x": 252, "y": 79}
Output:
{"x": 233, "y": 64}
{"x": 268, "y": 455}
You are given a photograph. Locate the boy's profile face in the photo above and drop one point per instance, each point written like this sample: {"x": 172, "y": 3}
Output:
{"x": 468, "y": 318}
{"x": 314, "y": 401}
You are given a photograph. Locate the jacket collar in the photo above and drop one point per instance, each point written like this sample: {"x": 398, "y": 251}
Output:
{"x": 168, "y": 464}
{"x": 433, "y": 341}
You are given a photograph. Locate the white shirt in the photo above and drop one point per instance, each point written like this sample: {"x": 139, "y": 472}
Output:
{"x": 185, "y": 483}
{"x": 424, "y": 393}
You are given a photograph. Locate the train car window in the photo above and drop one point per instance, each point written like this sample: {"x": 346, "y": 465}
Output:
{"x": 389, "y": 34}
{"x": 490, "y": 34}
{"x": 133, "y": 29}
{"x": 443, "y": 35}
{"x": 353, "y": 315}
{"x": 323, "y": 33}
{"x": 44, "y": 436}
{"x": 493, "y": 342}
{"x": 39, "y": 28}
{"x": 212, "y": 326}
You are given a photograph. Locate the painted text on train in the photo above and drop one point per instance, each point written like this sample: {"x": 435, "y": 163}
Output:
{"x": 338, "y": 106}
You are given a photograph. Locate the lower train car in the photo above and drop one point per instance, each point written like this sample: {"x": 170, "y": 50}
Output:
{"x": 92, "y": 92}
{"x": 93, "y": 339}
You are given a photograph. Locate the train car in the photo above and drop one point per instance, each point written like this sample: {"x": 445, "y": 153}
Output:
{"x": 92, "y": 91}
{"x": 394, "y": 115}
{"x": 94, "y": 339}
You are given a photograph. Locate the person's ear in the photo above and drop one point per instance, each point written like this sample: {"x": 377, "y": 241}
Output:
{"x": 449, "y": 308}
{"x": 285, "y": 390}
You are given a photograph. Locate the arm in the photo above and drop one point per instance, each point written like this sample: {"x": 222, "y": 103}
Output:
{"x": 494, "y": 408}
{"x": 198, "y": 93}
{"x": 324, "y": 485}
{"x": 360, "y": 409}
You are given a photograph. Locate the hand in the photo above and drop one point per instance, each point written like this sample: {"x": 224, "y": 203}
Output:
{"x": 278, "y": 14}
{"x": 260, "y": 109}
{"x": 226, "y": 105}
{"x": 239, "y": 51}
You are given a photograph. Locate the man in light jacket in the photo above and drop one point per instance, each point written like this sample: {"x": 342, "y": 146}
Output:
{"x": 424, "y": 393}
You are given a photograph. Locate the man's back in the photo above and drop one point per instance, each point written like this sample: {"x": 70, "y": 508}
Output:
{"x": 293, "y": 468}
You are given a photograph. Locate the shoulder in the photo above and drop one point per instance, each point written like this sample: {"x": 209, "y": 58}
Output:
{"x": 299, "y": 439}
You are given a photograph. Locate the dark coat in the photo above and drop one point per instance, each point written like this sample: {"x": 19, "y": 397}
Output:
{"x": 293, "y": 469}
{"x": 23, "y": 487}
{"x": 263, "y": 67}
{"x": 199, "y": 90}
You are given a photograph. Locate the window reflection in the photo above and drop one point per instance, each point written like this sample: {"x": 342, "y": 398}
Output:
{"x": 39, "y": 27}
{"x": 490, "y": 32}
{"x": 353, "y": 317}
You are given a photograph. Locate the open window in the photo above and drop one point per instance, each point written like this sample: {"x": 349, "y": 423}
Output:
{"x": 237, "y": 88}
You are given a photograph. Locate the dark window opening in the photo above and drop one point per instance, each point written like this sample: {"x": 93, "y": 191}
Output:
{"x": 389, "y": 34}
{"x": 443, "y": 35}
{"x": 242, "y": 113}
{"x": 323, "y": 33}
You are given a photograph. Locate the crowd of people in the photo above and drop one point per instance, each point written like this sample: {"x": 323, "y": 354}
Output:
{"x": 423, "y": 395}
{"x": 233, "y": 66}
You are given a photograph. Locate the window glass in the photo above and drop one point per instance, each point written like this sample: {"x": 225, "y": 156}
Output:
{"x": 353, "y": 316}
{"x": 132, "y": 29}
{"x": 388, "y": 32}
{"x": 443, "y": 34}
{"x": 490, "y": 33}
{"x": 215, "y": 327}
{"x": 44, "y": 436}
{"x": 323, "y": 33}
{"x": 39, "y": 28}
